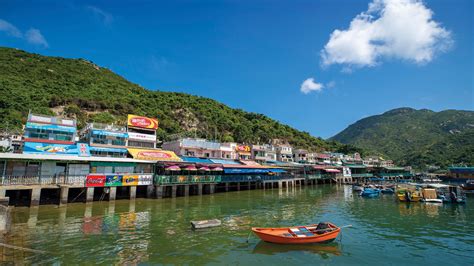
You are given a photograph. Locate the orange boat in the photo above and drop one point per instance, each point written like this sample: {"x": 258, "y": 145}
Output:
{"x": 315, "y": 233}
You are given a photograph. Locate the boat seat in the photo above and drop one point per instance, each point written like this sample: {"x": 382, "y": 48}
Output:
{"x": 300, "y": 232}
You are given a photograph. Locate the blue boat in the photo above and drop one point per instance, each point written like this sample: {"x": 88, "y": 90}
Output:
{"x": 370, "y": 192}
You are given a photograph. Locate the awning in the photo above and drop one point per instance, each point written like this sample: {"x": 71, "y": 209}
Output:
{"x": 154, "y": 155}
{"x": 217, "y": 169}
{"x": 332, "y": 170}
{"x": 196, "y": 160}
{"x": 104, "y": 149}
{"x": 251, "y": 171}
{"x": 223, "y": 161}
{"x": 190, "y": 168}
{"x": 173, "y": 168}
{"x": 204, "y": 168}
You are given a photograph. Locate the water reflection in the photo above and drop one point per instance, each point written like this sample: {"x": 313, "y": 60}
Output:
{"x": 324, "y": 250}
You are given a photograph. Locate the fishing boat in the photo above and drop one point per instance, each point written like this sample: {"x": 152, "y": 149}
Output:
{"x": 370, "y": 192}
{"x": 430, "y": 196}
{"x": 357, "y": 187}
{"x": 316, "y": 233}
{"x": 408, "y": 195}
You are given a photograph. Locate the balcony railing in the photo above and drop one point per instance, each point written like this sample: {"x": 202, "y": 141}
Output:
{"x": 186, "y": 179}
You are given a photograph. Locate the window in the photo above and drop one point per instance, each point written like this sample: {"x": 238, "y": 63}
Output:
{"x": 133, "y": 143}
{"x": 124, "y": 169}
{"x": 78, "y": 169}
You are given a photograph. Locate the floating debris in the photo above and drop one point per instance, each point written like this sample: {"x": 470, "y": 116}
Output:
{"x": 205, "y": 224}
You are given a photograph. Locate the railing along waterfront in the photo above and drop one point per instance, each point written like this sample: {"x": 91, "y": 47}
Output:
{"x": 253, "y": 178}
{"x": 186, "y": 179}
{"x": 79, "y": 180}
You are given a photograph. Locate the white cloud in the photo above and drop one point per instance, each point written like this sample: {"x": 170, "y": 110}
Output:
{"x": 331, "y": 84}
{"x": 105, "y": 17}
{"x": 10, "y": 29}
{"x": 401, "y": 29}
{"x": 310, "y": 85}
{"x": 34, "y": 36}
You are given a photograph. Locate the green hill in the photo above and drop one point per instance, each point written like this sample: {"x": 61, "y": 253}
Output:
{"x": 416, "y": 137}
{"x": 79, "y": 88}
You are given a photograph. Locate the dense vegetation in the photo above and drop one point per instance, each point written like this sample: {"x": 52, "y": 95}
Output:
{"x": 416, "y": 137}
{"x": 79, "y": 88}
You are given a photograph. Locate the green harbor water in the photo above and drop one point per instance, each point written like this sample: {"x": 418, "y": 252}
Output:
{"x": 150, "y": 231}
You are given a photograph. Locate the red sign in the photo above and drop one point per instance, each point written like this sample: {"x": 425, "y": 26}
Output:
{"x": 95, "y": 181}
{"x": 142, "y": 122}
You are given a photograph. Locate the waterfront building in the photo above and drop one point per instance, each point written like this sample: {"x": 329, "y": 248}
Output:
{"x": 141, "y": 132}
{"x": 284, "y": 153}
{"x": 300, "y": 156}
{"x": 105, "y": 140}
{"x": 461, "y": 172}
{"x": 195, "y": 147}
{"x": 228, "y": 150}
{"x": 52, "y": 135}
{"x": 243, "y": 152}
{"x": 11, "y": 142}
{"x": 258, "y": 153}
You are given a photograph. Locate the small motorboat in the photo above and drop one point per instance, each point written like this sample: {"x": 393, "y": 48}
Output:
{"x": 316, "y": 233}
{"x": 357, "y": 187}
{"x": 370, "y": 192}
{"x": 430, "y": 196}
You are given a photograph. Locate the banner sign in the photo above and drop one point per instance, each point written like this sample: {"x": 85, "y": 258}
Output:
{"x": 110, "y": 133}
{"x": 80, "y": 149}
{"x": 50, "y": 127}
{"x": 113, "y": 180}
{"x": 242, "y": 148}
{"x": 145, "y": 180}
{"x": 346, "y": 171}
{"x": 51, "y": 120}
{"x": 154, "y": 155}
{"x": 142, "y": 122}
{"x": 139, "y": 136}
{"x": 130, "y": 180}
{"x": 95, "y": 180}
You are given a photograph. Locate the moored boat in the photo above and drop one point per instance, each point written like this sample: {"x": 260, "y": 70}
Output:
{"x": 370, "y": 192}
{"x": 388, "y": 190}
{"x": 316, "y": 233}
{"x": 407, "y": 195}
{"x": 357, "y": 187}
{"x": 469, "y": 185}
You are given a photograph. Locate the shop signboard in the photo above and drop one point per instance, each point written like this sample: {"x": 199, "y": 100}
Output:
{"x": 139, "y": 136}
{"x": 153, "y": 155}
{"x": 110, "y": 133}
{"x": 145, "y": 180}
{"x": 129, "y": 180}
{"x": 113, "y": 180}
{"x": 95, "y": 180}
{"x": 242, "y": 148}
{"x": 142, "y": 122}
{"x": 80, "y": 149}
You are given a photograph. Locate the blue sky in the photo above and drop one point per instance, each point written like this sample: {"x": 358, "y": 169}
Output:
{"x": 255, "y": 55}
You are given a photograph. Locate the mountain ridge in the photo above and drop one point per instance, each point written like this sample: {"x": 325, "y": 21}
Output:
{"x": 419, "y": 137}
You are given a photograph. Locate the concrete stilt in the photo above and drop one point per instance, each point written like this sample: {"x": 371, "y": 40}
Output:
{"x": 112, "y": 193}
{"x": 35, "y": 196}
{"x": 89, "y": 194}
{"x": 150, "y": 191}
{"x": 280, "y": 184}
{"x": 33, "y": 218}
{"x": 248, "y": 185}
{"x": 63, "y": 195}
{"x": 133, "y": 192}
{"x": 186, "y": 190}
{"x": 212, "y": 188}
{"x": 159, "y": 192}
{"x": 226, "y": 187}
{"x": 174, "y": 188}
{"x": 199, "y": 189}
{"x": 238, "y": 186}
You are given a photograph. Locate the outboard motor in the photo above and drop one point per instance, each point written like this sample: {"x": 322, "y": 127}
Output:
{"x": 323, "y": 228}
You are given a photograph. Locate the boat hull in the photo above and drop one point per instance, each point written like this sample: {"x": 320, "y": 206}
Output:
{"x": 276, "y": 235}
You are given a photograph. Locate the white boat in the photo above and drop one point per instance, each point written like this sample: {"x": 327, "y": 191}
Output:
{"x": 433, "y": 200}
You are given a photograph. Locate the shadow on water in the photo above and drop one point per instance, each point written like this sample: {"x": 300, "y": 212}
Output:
{"x": 324, "y": 250}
